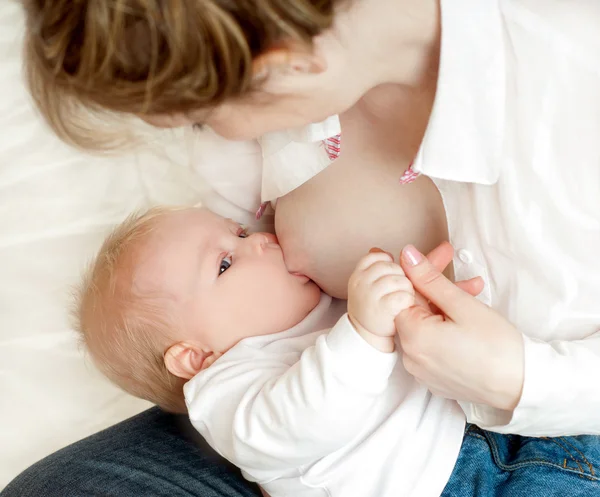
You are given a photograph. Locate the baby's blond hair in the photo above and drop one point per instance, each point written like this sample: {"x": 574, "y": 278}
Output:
{"x": 126, "y": 330}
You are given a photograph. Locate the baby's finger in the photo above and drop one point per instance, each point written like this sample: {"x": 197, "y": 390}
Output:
{"x": 371, "y": 258}
{"x": 391, "y": 283}
{"x": 380, "y": 269}
{"x": 375, "y": 250}
{"x": 398, "y": 301}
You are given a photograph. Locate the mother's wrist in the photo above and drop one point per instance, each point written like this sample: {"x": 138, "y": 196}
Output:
{"x": 508, "y": 396}
{"x": 507, "y": 387}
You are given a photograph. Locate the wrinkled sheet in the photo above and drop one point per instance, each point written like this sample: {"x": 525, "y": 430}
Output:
{"x": 56, "y": 205}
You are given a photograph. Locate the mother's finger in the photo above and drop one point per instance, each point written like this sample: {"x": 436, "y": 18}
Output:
{"x": 474, "y": 286}
{"x": 434, "y": 286}
{"x": 441, "y": 256}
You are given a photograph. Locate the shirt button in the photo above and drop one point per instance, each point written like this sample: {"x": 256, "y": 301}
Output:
{"x": 465, "y": 256}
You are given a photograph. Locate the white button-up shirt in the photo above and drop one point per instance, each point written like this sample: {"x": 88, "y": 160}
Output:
{"x": 514, "y": 146}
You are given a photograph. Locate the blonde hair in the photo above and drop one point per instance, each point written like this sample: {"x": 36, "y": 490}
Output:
{"x": 148, "y": 57}
{"x": 126, "y": 331}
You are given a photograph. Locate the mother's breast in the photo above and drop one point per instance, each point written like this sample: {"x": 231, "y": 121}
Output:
{"x": 327, "y": 224}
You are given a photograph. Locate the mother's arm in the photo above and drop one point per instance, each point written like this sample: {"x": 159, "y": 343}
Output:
{"x": 508, "y": 383}
{"x": 561, "y": 393}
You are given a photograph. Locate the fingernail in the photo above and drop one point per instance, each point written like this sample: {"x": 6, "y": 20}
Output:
{"x": 411, "y": 255}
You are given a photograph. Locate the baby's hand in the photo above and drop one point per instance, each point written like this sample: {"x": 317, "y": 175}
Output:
{"x": 378, "y": 291}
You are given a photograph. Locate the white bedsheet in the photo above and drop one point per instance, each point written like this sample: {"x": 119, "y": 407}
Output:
{"x": 55, "y": 206}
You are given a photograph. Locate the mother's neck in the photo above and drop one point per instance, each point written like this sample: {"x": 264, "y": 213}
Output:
{"x": 392, "y": 41}
{"x": 394, "y": 46}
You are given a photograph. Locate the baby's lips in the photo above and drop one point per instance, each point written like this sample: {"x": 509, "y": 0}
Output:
{"x": 298, "y": 274}
{"x": 271, "y": 238}
{"x": 301, "y": 276}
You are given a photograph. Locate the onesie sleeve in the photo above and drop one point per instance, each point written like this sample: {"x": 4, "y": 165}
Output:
{"x": 269, "y": 418}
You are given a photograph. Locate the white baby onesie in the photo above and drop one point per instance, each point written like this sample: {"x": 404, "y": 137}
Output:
{"x": 315, "y": 411}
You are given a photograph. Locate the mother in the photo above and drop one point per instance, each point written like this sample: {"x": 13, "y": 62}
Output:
{"x": 498, "y": 101}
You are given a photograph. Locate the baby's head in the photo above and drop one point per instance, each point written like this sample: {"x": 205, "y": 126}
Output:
{"x": 171, "y": 290}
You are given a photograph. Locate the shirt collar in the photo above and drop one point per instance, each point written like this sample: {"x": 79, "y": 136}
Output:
{"x": 465, "y": 131}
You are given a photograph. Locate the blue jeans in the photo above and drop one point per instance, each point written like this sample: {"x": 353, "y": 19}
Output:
{"x": 156, "y": 454}
{"x": 153, "y": 454}
{"x": 490, "y": 464}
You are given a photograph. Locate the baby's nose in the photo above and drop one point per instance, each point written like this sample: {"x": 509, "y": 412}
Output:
{"x": 260, "y": 241}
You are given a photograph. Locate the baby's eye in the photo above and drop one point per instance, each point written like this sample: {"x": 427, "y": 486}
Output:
{"x": 225, "y": 264}
{"x": 243, "y": 232}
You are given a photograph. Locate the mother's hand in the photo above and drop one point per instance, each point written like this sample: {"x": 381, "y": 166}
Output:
{"x": 466, "y": 352}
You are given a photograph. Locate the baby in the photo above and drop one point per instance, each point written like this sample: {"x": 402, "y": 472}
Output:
{"x": 304, "y": 401}
{"x": 185, "y": 309}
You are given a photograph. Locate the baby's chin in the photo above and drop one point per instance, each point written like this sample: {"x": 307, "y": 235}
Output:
{"x": 286, "y": 316}
{"x": 314, "y": 293}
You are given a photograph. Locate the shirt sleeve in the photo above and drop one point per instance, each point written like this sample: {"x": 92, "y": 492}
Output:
{"x": 561, "y": 393}
{"x": 270, "y": 419}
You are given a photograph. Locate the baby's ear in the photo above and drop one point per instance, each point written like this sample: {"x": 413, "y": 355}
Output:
{"x": 186, "y": 360}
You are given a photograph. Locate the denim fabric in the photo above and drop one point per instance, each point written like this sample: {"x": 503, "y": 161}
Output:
{"x": 159, "y": 454}
{"x": 491, "y": 465}
{"x": 152, "y": 454}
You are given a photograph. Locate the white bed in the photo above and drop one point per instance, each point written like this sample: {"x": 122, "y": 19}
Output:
{"x": 55, "y": 205}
